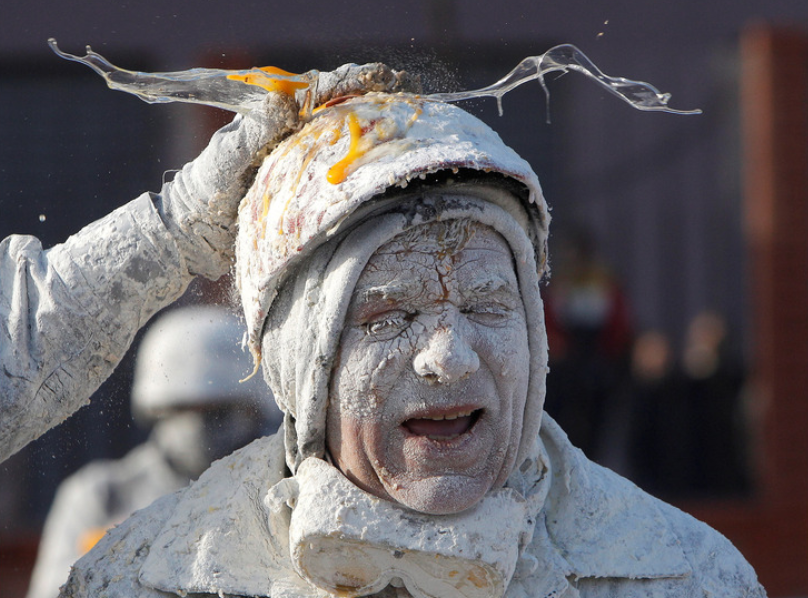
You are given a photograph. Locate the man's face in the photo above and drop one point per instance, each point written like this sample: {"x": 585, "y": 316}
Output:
{"x": 428, "y": 392}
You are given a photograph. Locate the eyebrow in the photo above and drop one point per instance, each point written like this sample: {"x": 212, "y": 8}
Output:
{"x": 491, "y": 283}
{"x": 487, "y": 285}
{"x": 389, "y": 292}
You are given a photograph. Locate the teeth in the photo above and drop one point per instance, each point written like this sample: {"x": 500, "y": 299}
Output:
{"x": 455, "y": 416}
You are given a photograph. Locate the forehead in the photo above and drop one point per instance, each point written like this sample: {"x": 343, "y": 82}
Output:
{"x": 467, "y": 253}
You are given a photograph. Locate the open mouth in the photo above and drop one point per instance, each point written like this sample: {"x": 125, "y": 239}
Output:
{"x": 443, "y": 426}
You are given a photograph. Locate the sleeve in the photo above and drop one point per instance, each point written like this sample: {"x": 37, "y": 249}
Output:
{"x": 68, "y": 314}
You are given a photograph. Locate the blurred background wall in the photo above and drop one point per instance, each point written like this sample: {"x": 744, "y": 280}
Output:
{"x": 662, "y": 197}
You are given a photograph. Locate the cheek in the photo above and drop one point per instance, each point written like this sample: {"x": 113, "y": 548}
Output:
{"x": 345, "y": 434}
{"x": 369, "y": 372}
{"x": 354, "y": 438}
{"x": 393, "y": 359}
{"x": 505, "y": 351}
{"x": 347, "y": 445}
{"x": 351, "y": 380}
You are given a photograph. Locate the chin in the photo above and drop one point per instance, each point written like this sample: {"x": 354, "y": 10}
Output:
{"x": 439, "y": 495}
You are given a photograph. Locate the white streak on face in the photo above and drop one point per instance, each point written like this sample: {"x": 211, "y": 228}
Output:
{"x": 428, "y": 394}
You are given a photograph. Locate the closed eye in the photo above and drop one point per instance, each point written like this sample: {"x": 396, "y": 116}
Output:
{"x": 388, "y": 324}
{"x": 488, "y": 313}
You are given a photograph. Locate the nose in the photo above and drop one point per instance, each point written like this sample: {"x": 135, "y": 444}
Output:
{"x": 447, "y": 356}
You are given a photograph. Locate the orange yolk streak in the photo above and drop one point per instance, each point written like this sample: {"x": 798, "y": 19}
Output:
{"x": 339, "y": 171}
{"x": 269, "y": 82}
{"x": 90, "y": 538}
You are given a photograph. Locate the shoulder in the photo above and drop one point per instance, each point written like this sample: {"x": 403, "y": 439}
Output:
{"x": 719, "y": 569}
{"x": 111, "y": 568}
{"x": 164, "y": 540}
{"x": 621, "y": 541}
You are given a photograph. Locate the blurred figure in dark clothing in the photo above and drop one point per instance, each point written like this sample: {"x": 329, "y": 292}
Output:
{"x": 589, "y": 335}
{"x": 659, "y": 449}
{"x": 688, "y": 432}
{"x": 714, "y": 387}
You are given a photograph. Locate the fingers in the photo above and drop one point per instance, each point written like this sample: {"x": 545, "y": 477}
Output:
{"x": 235, "y": 149}
{"x": 358, "y": 79}
{"x": 277, "y": 118}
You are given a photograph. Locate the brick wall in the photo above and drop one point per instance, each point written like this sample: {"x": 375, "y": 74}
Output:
{"x": 771, "y": 529}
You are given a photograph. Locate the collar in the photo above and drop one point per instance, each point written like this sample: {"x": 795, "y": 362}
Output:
{"x": 222, "y": 538}
{"x": 352, "y": 544}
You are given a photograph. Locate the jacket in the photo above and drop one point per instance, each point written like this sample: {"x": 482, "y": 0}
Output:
{"x": 595, "y": 535}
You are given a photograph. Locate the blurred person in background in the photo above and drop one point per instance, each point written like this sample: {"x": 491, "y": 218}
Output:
{"x": 659, "y": 420}
{"x": 589, "y": 332}
{"x": 688, "y": 431}
{"x": 186, "y": 387}
{"x": 715, "y": 384}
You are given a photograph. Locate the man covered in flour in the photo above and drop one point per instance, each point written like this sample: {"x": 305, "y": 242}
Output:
{"x": 389, "y": 254}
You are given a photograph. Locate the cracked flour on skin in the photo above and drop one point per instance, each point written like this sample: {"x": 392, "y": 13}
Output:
{"x": 427, "y": 400}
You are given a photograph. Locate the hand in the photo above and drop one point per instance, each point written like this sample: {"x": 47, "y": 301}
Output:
{"x": 199, "y": 206}
{"x": 351, "y": 79}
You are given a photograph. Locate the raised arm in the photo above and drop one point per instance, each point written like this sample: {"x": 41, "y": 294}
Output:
{"x": 68, "y": 314}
